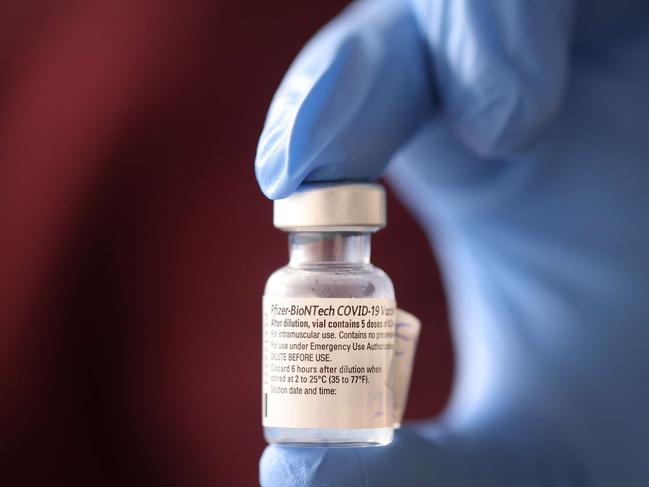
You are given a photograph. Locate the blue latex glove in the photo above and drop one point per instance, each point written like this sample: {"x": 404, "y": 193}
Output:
{"x": 519, "y": 136}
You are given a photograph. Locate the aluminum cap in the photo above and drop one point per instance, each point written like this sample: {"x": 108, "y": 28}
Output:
{"x": 332, "y": 207}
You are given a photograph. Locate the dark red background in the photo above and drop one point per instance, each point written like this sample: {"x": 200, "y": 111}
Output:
{"x": 134, "y": 242}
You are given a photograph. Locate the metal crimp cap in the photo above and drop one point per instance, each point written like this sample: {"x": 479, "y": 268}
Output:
{"x": 341, "y": 207}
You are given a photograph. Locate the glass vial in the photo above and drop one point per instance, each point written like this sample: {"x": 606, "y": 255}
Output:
{"x": 328, "y": 323}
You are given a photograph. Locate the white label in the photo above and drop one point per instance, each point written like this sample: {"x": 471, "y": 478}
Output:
{"x": 406, "y": 333}
{"x": 326, "y": 362}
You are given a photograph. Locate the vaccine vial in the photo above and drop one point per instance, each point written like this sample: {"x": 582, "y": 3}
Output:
{"x": 329, "y": 323}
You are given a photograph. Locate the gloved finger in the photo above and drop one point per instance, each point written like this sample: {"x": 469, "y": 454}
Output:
{"x": 411, "y": 460}
{"x": 357, "y": 91}
{"x": 500, "y": 66}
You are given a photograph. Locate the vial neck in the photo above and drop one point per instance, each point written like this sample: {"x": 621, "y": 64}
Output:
{"x": 314, "y": 248}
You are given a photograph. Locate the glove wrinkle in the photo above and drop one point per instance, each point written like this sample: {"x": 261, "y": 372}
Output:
{"x": 500, "y": 67}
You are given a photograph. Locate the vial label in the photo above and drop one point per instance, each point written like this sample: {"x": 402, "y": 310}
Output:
{"x": 326, "y": 362}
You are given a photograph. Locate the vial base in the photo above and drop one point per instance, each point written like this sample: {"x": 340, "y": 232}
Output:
{"x": 354, "y": 437}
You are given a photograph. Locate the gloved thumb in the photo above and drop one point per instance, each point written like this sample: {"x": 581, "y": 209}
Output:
{"x": 500, "y": 67}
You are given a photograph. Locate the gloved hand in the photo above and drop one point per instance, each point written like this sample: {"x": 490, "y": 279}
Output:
{"x": 519, "y": 136}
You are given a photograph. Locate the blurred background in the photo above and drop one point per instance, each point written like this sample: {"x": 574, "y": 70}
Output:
{"x": 134, "y": 242}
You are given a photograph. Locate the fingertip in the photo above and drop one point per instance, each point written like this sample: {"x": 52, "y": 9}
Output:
{"x": 271, "y": 176}
{"x": 292, "y": 466}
